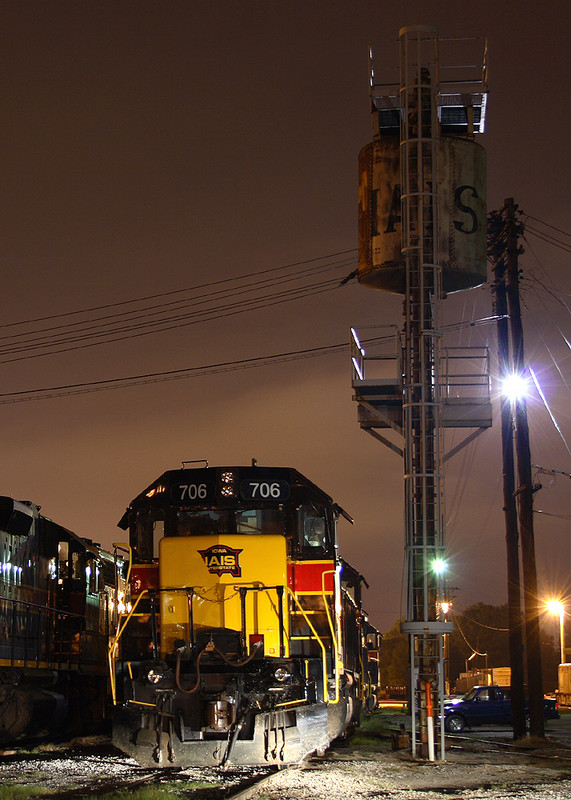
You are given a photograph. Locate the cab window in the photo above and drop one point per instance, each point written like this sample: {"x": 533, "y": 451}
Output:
{"x": 312, "y": 528}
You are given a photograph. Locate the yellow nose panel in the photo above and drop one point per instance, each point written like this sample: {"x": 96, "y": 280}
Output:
{"x": 201, "y": 578}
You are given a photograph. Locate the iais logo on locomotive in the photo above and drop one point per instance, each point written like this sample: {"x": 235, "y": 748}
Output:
{"x": 220, "y": 559}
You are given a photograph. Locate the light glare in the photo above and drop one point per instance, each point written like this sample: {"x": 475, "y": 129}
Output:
{"x": 515, "y": 387}
{"x": 555, "y": 606}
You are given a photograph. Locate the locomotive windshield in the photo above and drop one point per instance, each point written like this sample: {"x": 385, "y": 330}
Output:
{"x": 200, "y": 522}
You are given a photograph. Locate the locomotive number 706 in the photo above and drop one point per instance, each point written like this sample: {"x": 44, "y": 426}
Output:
{"x": 193, "y": 491}
{"x": 265, "y": 490}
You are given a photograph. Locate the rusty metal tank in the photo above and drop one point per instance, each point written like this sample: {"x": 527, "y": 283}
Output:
{"x": 461, "y": 179}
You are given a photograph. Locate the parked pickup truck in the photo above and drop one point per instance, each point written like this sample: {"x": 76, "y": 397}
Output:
{"x": 485, "y": 705}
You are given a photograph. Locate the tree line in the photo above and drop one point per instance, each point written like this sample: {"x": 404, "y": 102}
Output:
{"x": 480, "y": 629}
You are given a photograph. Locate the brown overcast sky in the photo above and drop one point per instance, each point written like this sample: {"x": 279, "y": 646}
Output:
{"x": 151, "y": 147}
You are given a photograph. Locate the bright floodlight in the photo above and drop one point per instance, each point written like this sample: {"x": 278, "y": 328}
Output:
{"x": 555, "y": 606}
{"x": 439, "y": 566}
{"x": 514, "y": 386}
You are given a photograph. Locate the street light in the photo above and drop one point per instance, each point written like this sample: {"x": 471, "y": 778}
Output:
{"x": 439, "y": 566}
{"x": 556, "y": 607}
{"x": 515, "y": 386}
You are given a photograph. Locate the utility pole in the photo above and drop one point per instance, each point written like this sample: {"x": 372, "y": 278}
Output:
{"x": 525, "y": 490}
{"x": 496, "y": 239}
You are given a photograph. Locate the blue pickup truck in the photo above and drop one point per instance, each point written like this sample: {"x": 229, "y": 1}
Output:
{"x": 485, "y": 705}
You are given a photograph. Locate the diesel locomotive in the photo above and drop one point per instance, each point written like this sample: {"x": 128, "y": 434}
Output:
{"x": 57, "y": 595}
{"x": 243, "y": 640}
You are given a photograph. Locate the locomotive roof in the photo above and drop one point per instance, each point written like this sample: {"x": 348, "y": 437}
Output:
{"x": 295, "y": 477}
{"x": 8, "y": 505}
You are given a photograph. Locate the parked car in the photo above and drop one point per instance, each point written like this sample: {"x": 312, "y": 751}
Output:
{"x": 485, "y": 705}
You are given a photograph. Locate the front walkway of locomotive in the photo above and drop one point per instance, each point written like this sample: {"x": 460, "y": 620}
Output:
{"x": 244, "y": 641}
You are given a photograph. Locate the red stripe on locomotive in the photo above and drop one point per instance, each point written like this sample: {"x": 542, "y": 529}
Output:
{"x": 306, "y": 576}
{"x": 144, "y": 577}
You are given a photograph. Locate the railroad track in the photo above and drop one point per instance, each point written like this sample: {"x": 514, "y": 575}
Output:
{"x": 74, "y": 773}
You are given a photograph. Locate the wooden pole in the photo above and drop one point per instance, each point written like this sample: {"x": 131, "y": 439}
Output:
{"x": 515, "y": 636}
{"x": 524, "y": 491}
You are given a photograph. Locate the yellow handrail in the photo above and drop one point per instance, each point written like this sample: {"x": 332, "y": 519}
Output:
{"x": 323, "y": 649}
{"x": 114, "y": 643}
{"x": 362, "y": 684}
{"x": 334, "y": 634}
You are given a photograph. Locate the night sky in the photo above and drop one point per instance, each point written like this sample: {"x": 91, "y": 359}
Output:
{"x": 184, "y": 174}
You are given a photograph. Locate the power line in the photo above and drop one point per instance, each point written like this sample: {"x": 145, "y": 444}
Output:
{"x": 158, "y": 377}
{"x": 549, "y": 514}
{"x": 167, "y": 316}
{"x": 551, "y": 415}
{"x": 547, "y": 238}
{"x": 194, "y": 300}
{"x": 169, "y": 375}
{"x": 176, "y": 291}
{"x": 547, "y": 225}
{"x": 461, "y": 632}
{"x": 193, "y": 318}
{"x": 481, "y": 624}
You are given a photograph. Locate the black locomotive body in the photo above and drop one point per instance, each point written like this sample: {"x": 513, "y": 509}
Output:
{"x": 245, "y": 641}
{"x": 56, "y": 614}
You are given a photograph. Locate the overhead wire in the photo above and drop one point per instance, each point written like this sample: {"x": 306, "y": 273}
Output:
{"x": 185, "y": 320}
{"x": 138, "y": 312}
{"x": 106, "y": 384}
{"x": 566, "y": 248}
{"x": 545, "y": 235}
{"x": 227, "y": 286}
{"x": 144, "y": 298}
{"x": 548, "y": 225}
{"x": 180, "y": 312}
{"x": 461, "y": 632}
{"x": 87, "y": 334}
{"x": 480, "y": 624}
{"x": 551, "y": 355}
{"x": 167, "y": 375}
{"x": 550, "y": 514}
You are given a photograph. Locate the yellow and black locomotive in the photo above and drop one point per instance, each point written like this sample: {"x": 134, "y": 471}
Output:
{"x": 243, "y": 640}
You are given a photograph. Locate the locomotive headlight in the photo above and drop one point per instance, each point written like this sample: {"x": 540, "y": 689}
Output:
{"x": 227, "y": 484}
{"x": 282, "y": 674}
{"x": 154, "y": 676}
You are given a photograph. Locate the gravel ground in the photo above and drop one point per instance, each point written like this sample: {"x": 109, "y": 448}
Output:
{"x": 392, "y": 777}
{"x": 482, "y": 764}
{"x": 485, "y": 764}
{"x": 91, "y": 769}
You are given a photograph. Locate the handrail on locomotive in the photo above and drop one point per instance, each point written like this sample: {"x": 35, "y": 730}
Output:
{"x": 126, "y": 616}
